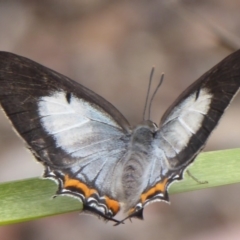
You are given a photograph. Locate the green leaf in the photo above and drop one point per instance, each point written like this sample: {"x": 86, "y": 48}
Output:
{"x": 33, "y": 198}
{"x": 218, "y": 168}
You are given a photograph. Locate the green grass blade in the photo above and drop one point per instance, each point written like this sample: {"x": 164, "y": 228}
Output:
{"x": 218, "y": 168}
{"x": 32, "y": 198}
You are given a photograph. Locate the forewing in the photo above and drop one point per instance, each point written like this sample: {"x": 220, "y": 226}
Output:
{"x": 52, "y": 112}
{"x": 189, "y": 121}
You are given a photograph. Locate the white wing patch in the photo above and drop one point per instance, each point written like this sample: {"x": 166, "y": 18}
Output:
{"x": 185, "y": 120}
{"x": 77, "y": 124}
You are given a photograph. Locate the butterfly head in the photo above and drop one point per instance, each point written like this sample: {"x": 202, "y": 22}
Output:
{"x": 152, "y": 126}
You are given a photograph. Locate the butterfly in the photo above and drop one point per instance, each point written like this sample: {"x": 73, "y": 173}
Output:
{"x": 88, "y": 147}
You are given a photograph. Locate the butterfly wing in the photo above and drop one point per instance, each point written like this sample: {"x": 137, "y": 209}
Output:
{"x": 187, "y": 124}
{"x": 77, "y": 135}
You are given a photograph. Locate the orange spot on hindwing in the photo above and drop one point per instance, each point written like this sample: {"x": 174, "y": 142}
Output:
{"x": 159, "y": 187}
{"x": 69, "y": 182}
{"x": 111, "y": 204}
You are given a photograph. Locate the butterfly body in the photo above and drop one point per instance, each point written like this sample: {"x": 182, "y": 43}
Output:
{"x": 88, "y": 147}
{"x": 137, "y": 166}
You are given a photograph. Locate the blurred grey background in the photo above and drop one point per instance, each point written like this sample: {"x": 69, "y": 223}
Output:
{"x": 110, "y": 47}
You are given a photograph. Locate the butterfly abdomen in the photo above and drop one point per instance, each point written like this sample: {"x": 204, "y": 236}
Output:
{"x": 137, "y": 166}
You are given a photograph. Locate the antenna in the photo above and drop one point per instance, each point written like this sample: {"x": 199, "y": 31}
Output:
{"x": 148, "y": 91}
{"x": 151, "y": 100}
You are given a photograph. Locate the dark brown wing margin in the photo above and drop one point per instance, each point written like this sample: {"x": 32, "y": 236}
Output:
{"x": 222, "y": 81}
